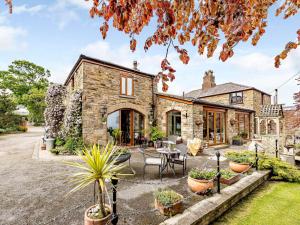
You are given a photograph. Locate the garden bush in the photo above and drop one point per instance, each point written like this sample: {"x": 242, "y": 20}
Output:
{"x": 73, "y": 145}
{"x": 54, "y": 112}
{"x": 72, "y": 126}
{"x": 167, "y": 197}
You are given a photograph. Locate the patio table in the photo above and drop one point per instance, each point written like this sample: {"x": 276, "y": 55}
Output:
{"x": 168, "y": 154}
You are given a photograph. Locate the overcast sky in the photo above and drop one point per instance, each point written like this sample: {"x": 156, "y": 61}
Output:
{"x": 54, "y": 33}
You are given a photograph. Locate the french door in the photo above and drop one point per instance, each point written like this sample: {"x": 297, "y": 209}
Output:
{"x": 214, "y": 129}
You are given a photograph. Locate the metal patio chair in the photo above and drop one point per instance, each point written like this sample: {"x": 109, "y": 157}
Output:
{"x": 151, "y": 160}
{"x": 181, "y": 159}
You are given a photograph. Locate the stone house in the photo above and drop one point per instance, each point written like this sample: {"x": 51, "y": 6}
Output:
{"x": 126, "y": 98}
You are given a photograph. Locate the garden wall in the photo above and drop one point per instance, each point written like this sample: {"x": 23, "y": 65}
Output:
{"x": 208, "y": 210}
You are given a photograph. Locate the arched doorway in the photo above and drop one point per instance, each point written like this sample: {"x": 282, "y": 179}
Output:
{"x": 131, "y": 124}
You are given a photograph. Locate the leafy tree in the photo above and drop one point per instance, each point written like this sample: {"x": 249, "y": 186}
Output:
{"x": 35, "y": 103}
{"x": 204, "y": 24}
{"x": 7, "y": 104}
{"x": 28, "y": 82}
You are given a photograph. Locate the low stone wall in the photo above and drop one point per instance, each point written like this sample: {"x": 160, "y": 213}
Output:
{"x": 210, "y": 209}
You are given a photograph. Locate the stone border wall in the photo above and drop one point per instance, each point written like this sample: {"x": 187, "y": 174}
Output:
{"x": 208, "y": 210}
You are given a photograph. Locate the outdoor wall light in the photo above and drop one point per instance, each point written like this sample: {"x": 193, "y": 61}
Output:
{"x": 186, "y": 115}
{"x": 103, "y": 111}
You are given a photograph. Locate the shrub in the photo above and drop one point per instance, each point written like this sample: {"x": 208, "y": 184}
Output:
{"x": 167, "y": 197}
{"x": 54, "y": 112}
{"x": 202, "y": 174}
{"x": 72, "y": 126}
{"x": 73, "y": 145}
{"x": 243, "y": 135}
{"x": 22, "y": 128}
{"x": 280, "y": 170}
{"x": 241, "y": 157}
{"x": 156, "y": 134}
{"x": 55, "y": 151}
{"x": 59, "y": 141}
{"x": 237, "y": 138}
{"x": 116, "y": 133}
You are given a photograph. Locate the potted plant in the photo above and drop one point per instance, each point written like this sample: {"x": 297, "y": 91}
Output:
{"x": 168, "y": 202}
{"x": 244, "y": 135}
{"x": 228, "y": 177}
{"x": 121, "y": 155}
{"x": 97, "y": 168}
{"x": 237, "y": 140}
{"x": 155, "y": 135}
{"x": 240, "y": 162}
{"x": 200, "y": 180}
{"x": 116, "y": 133}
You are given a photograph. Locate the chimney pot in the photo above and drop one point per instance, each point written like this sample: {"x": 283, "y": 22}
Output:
{"x": 135, "y": 65}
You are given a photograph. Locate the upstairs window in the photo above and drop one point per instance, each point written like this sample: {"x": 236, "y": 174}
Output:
{"x": 127, "y": 86}
{"x": 236, "y": 98}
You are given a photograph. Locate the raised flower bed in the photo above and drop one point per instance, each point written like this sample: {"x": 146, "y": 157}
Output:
{"x": 168, "y": 202}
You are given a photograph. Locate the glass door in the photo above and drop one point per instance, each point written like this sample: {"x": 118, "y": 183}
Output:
{"x": 214, "y": 127}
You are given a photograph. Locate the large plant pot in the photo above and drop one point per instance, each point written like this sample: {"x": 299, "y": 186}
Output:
{"x": 239, "y": 167}
{"x": 50, "y": 143}
{"x": 103, "y": 221}
{"x": 231, "y": 180}
{"x": 169, "y": 210}
{"x": 123, "y": 158}
{"x": 200, "y": 186}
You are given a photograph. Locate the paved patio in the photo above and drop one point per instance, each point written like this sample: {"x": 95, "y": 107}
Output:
{"x": 34, "y": 192}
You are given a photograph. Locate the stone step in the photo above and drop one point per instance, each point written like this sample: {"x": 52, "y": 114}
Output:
{"x": 219, "y": 147}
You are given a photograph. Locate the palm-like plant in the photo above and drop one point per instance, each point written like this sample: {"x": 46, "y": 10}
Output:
{"x": 98, "y": 167}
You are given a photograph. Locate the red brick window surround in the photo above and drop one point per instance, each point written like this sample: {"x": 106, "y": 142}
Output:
{"x": 127, "y": 85}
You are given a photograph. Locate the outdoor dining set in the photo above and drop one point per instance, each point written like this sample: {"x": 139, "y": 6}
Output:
{"x": 167, "y": 154}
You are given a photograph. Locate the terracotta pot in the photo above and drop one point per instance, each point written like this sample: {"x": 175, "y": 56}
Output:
{"x": 169, "y": 210}
{"x": 43, "y": 146}
{"x": 230, "y": 181}
{"x": 239, "y": 167}
{"x": 103, "y": 221}
{"x": 200, "y": 185}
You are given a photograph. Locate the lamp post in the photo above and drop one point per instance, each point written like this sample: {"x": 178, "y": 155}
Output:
{"x": 115, "y": 217}
{"x": 256, "y": 156}
{"x": 218, "y": 172}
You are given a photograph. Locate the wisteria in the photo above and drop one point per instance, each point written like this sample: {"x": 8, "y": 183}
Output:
{"x": 54, "y": 113}
{"x": 72, "y": 126}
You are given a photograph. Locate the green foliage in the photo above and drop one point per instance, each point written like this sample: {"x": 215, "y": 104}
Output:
{"x": 280, "y": 170}
{"x": 59, "y": 141}
{"x": 297, "y": 146}
{"x": 167, "y": 197}
{"x": 35, "y": 103}
{"x": 96, "y": 169}
{"x": 74, "y": 145}
{"x": 243, "y": 135}
{"x": 227, "y": 174}
{"x": 241, "y": 156}
{"x": 22, "y": 128}
{"x": 202, "y": 174}
{"x": 237, "y": 138}
{"x": 156, "y": 134}
{"x": 116, "y": 133}
{"x": 28, "y": 83}
{"x": 55, "y": 151}
{"x": 7, "y": 103}
{"x": 120, "y": 151}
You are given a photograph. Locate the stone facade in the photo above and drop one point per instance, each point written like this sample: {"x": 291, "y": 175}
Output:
{"x": 252, "y": 99}
{"x": 190, "y": 113}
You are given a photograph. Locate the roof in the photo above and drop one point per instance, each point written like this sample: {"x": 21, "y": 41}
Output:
{"x": 204, "y": 102}
{"x": 271, "y": 110}
{"x": 221, "y": 89}
{"x": 104, "y": 63}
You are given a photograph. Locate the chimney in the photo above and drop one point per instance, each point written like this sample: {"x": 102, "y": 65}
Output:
{"x": 135, "y": 65}
{"x": 208, "y": 80}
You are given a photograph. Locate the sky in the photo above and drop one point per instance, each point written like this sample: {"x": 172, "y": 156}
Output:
{"x": 53, "y": 33}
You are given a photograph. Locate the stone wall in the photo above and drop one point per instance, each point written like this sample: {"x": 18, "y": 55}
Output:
{"x": 189, "y": 128}
{"x": 78, "y": 80}
{"x": 102, "y": 89}
{"x": 231, "y": 130}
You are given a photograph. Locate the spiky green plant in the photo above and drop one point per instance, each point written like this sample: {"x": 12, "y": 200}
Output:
{"x": 98, "y": 167}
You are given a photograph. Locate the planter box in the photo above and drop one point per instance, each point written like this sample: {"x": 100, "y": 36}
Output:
{"x": 237, "y": 142}
{"x": 231, "y": 180}
{"x": 169, "y": 210}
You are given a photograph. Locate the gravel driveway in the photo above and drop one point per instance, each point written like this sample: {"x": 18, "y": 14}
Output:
{"x": 33, "y": 192}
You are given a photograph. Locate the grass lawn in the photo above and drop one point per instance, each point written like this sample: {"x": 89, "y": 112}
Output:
{"x": 274, "y": 203}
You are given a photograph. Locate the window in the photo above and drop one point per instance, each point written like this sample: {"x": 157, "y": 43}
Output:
{"x": 243, "y": 124}
{"x": 127, "y": 86}
{"x": 236, "y": 98}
